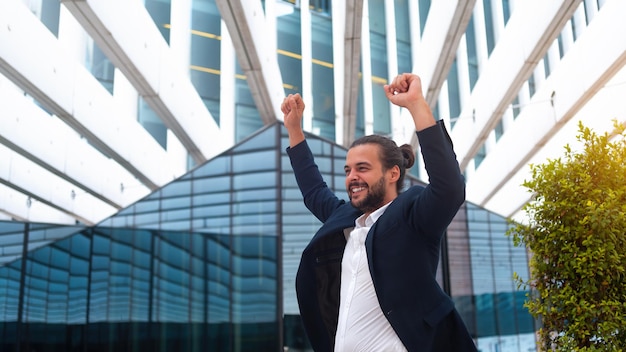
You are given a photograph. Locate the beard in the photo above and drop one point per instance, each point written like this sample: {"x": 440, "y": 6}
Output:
{"x": 374, "y": 198}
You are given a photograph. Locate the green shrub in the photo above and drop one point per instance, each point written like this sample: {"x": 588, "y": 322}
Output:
{"x": 576, "y": 236}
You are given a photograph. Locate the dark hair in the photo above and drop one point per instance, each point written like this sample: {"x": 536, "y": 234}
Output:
{"x": 390, "y": 154}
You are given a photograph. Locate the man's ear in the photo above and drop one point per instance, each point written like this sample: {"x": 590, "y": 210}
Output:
{"x": 394, "y": 173}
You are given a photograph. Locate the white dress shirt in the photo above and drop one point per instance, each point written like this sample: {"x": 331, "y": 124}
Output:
{"x": 362, "y": 325}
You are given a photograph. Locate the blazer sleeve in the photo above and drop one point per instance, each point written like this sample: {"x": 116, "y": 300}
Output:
{"x": 318, "y": 198}
{"x": 439, "y": 202}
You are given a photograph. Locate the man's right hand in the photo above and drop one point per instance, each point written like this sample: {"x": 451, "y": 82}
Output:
{"x": 293, "y": 109}
{"x": 405, "y": 90}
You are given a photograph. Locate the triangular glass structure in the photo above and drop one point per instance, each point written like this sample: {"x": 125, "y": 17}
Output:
{"x": 200, "y": 260}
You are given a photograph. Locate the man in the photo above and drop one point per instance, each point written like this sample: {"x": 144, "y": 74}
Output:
{"x": 366, "y": 280}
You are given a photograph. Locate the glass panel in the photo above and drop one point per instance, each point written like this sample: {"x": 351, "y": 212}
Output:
{"x": 176, "y": 189}
{"x": 525, "y": 321}
{"x": 171, "y": 279}
{"x": 152, "y": 123}
{"x": 491, "y": 39}
{"x": 505, "y": 310}
{"x": 258, "y": 180}
{"x": 506, "y": 8}
{"x": 360, "y": 111}
{"x": 320, "y": 6}
{"x": 454, "y": 96}
{"x": 404, "y": 57}
{"x": 9, "y": 303}
{"x": 159, "y": 10}
{"x": 424, "y": 6}
{"x": 99, "y": 65}
{"x": 247, "y": 115}
{"x": 472, "y": 56}
{"x": 254, "y": 291}
{"x": 403, "y": 24}
{"x": 382, "y": 114}
{"x": 378, "y": 47}
{"x": 205, "y": 53}
{"x": 218, "y": 166}
{"x": 205, "y": 187}
{"x": 218, "y": 290}
{"x": 50, "y": 11}
{"x": 480, "y": 155}
{"x": 499, "y": 305}
{"x": 323, "y": 80}
{"x": 485, "y": 315}
{"x": 266, "y": 139}
{"x": 55, "y": 293}
{"x": 11, "y": 241}
{"x": 250, "y": 162}
{"x": 289, "y": 50}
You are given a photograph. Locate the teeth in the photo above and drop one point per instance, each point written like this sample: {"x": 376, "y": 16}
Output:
{"x": 357, "y": 189}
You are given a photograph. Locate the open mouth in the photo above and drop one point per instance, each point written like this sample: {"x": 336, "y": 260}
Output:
{"x": 357, "y": 189}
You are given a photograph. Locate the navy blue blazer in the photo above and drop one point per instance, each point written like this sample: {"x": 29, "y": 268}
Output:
{"x": 402, "y": 249}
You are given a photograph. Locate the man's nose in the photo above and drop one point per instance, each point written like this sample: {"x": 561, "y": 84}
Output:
{"x": 351, "y": 175}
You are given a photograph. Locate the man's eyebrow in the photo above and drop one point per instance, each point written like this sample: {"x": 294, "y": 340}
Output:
{"x": 360, "y": 163}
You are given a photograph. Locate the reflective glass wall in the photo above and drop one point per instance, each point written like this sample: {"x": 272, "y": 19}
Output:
{"x": 208, "y": 263}
{"x": 196, "y": 265}
{"x": 192, "y": 267}
{"x": 108, "y": 289}
{"x": 501, "y": 321}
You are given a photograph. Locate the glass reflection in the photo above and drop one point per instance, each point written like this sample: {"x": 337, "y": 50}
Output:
{"x": 110, "y": 288}
{"x": 224, "y": 280}
{"x": 205, "y": 54}
{"x": 323, "y": 77}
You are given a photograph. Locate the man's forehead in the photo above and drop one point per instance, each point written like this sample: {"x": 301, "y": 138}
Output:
{"x": 362, "y": 154}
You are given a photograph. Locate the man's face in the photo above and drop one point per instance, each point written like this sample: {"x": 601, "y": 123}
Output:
{"x": 366, "y": 183}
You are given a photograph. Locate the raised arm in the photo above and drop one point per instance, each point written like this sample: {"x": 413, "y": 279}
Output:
{"x": 318, "y": 198}
{"x": 445, "y": 193}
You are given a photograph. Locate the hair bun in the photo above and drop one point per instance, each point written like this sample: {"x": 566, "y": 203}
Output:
{"x": 409, "y": 155}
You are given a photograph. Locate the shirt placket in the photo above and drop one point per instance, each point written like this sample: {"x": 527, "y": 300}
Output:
{"x": 357, "y": 249}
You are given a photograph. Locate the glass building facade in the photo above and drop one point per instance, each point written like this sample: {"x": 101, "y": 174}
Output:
{"x": 146, "y": 200}
{"x": 208, "y": 262}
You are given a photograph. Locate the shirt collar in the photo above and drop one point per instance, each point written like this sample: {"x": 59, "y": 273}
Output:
{"x": 362, "y": 221}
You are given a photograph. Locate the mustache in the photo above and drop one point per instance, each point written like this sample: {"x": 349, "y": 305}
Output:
{"x": 357, "y": 184}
